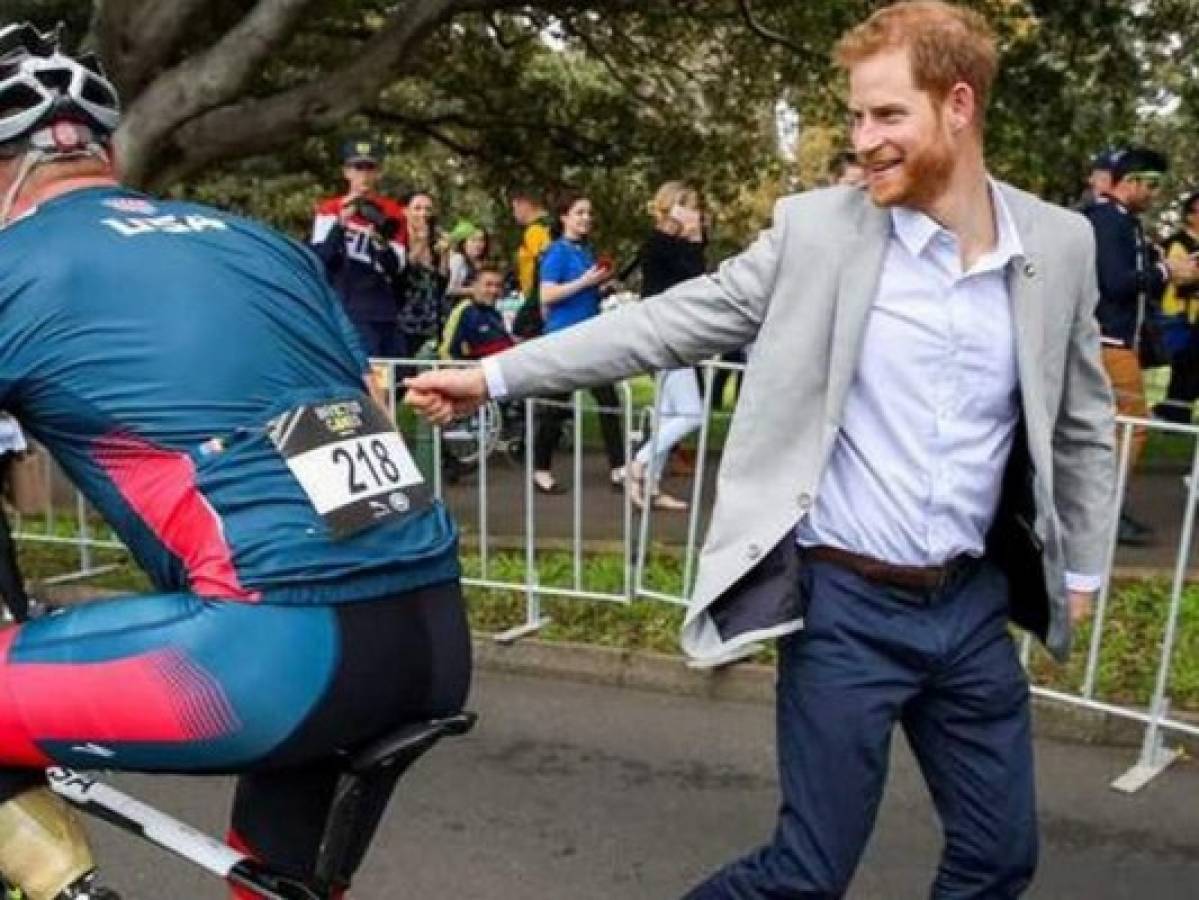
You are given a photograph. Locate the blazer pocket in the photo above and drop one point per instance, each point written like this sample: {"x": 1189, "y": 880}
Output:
{"x": 766, "y": 596}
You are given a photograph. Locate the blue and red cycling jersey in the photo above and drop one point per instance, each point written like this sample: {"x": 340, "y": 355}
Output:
{"x": 132, "y": 348}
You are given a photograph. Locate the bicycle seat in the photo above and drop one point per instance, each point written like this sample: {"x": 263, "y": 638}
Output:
{"x": 408, "y": 742}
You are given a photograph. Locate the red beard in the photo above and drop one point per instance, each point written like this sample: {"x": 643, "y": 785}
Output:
{"x": 919, "y": 180}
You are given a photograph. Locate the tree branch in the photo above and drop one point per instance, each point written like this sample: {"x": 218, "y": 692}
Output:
{"x": 106, "y": 34}
{"x": 157, "y": 29}
{"x": 258, "y": 125}
{"x": 206, "y": 80}
{"x": 765, "y": 33}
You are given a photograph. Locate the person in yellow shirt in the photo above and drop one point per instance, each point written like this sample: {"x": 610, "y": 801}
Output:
{"x": 529, "y": 212}
{"x": 1181, "y": 300}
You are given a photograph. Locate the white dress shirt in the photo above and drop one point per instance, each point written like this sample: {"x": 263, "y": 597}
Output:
{"x": 917, "y": 468}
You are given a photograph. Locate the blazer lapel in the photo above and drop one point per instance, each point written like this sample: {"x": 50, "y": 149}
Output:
{"x": 861, "y": 268}
{"x": 1026, "y": 286}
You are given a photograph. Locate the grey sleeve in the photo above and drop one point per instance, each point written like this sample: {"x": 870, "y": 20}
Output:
{"x": 1084, "y": 460}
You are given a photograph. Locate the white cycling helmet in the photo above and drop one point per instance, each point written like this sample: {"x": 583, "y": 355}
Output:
{"x": 40, "y": 85}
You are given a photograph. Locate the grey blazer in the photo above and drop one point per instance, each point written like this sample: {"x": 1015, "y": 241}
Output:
{"x": 802, "y": 293}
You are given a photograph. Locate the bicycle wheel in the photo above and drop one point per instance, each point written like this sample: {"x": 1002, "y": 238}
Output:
{"x": 460, "y": 439}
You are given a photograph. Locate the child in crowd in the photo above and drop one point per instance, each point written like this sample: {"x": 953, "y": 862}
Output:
{"x": 470, "y": 246}
{"x": 475, "y": 328}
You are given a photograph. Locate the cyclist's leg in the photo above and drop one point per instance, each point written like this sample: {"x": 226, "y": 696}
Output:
{"x": 146, "y": 683}
{"x": 404, "y": 659}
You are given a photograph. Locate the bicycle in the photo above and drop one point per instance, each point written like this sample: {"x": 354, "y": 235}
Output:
{"x": 366, "y": 771}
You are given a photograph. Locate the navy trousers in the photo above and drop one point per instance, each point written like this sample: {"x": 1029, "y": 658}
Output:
{"x": 943, "y": 665}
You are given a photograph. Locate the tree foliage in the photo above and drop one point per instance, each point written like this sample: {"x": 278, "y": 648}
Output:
{"x": 246, "y": 101}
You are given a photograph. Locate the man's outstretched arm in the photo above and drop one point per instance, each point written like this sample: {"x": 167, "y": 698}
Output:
{"x": 688, "y": 323}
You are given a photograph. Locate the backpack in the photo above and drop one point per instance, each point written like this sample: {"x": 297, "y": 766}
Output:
{"x": 528, "y": 321}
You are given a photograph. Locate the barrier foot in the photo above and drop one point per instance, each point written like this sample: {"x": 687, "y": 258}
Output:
{"x": 512, "y": 635}
{"x": 1155, "y": 758}
{"x": 741, "y": 654}
{"x": 1144, "y": 772}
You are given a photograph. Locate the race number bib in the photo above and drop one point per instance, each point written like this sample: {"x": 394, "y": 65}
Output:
{"x": 352, "y": 464}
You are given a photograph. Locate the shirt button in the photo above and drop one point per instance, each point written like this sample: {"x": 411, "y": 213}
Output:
{"x": 804, "y": 502}
{"x": 753, "y": 551}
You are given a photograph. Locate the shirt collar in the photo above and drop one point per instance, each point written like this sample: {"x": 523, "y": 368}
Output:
{"x": 916, "y": 230}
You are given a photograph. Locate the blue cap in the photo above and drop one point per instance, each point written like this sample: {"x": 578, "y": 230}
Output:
{"x": 1106, "y": 158}
{"x": 361, "y": 150}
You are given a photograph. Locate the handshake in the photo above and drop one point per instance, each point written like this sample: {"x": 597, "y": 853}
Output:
{"x": 443, "y": 395}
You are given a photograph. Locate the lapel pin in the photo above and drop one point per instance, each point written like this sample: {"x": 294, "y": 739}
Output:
{"x": 1030, "y": 270}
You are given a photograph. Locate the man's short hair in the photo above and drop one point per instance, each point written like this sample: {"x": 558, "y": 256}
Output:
{"x": 1137, "y": 161}
{"x": 946, "y": 45}
{"x": 527, "y": 193}
{"x": 1190, "y": 204}
{"x": 489, "y": 267}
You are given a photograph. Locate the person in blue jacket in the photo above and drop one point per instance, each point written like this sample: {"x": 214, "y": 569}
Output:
{"x": 1132, "y": 278}
{"x": 475, "y": 328}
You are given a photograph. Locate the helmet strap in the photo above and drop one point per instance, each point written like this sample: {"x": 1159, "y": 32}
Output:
{"x": 29, "y": 161}
{"x": 55, "y": 143}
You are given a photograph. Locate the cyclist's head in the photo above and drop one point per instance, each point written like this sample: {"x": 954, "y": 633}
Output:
{"x": 53, "y": 107}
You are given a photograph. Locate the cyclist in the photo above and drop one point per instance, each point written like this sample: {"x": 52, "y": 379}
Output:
{"x": 195, "y": 376}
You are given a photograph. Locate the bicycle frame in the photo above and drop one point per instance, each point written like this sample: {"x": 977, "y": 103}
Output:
{"x": 141, "y": 820}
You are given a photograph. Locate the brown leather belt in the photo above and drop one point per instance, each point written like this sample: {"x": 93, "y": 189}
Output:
{"x": 910, "y": 578}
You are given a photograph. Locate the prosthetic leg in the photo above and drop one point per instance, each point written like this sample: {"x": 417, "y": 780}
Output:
{"x": 43, "y": 848}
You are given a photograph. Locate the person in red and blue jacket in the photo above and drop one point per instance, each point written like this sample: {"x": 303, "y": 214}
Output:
{"x": 359, "y": 236}
{"x": 475, "y": 328}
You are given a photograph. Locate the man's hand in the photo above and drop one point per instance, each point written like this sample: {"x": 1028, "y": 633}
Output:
{"x": 446, "y": 394}
{"x": 1082, "y": 604}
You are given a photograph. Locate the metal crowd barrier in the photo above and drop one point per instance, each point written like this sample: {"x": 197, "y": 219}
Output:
{"x": 79, "y": 529}
{"x": 1154, "y": 756}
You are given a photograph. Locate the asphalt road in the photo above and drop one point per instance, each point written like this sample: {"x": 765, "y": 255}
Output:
{"x": 578, "y": 792}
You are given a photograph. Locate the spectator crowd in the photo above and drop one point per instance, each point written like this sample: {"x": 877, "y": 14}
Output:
{"x": 414, "y": 290}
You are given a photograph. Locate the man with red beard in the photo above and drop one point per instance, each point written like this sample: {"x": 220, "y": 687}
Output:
{"x": 924, "y": 448}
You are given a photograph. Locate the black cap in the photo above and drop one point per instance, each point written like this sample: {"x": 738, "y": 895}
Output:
{"x": 1105, "y": 159}
{"x": 361, "y": 150}
{"x": 1139, "y": 159}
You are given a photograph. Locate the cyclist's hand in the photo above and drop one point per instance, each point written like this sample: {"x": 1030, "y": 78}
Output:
{"x": 447, "y": 394}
